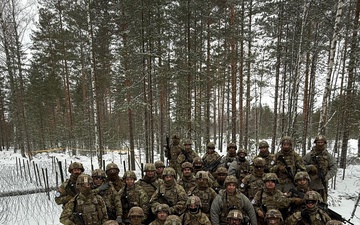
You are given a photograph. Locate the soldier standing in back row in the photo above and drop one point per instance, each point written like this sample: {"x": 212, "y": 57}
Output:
{"x": 265, "y": 154}
{"x": 287, "y": 164}
{"x": 321, "y": 166}
{"x": 175, "y": 150}
{"x": 186, "y": 155}
{"x": 187, "y": 180}
{"x": 193, "y": 214}
{"x": 210, "y": 157}
{"x": 112, "y": 175}
{"x": 67, "y": 189}
{"x": 241, "y": 166}
{"x": 86, "y": 208}
{"x": 253, "y": 182}
{"x": 230, "y": 156}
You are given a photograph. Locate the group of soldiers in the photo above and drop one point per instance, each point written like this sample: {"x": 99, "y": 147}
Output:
{"x": 278, "y": 189}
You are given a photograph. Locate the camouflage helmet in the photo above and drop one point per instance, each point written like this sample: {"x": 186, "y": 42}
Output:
{"x": 221, "y": 169}
{"x": 169, "y": 171}
{"x": 193, "y": 199}
{"x": 231, "y": 145}
{"x": 162, "y": 208}
{"x": 187, "y": 165}
{"x": 210, "y": 145}
{"x": 175, "y": 136}
{"x": 259, "y": 162}
{"x": 76, "y": 165}
{"x": 110, "y": 222}
{"x": 311, "y": 195}
{"x": 98, "y": 173}
{"x": 301, "y": 175}
{"x": 242, "y": 150}
{"x": 159, "y": 164}
{"x": 320, "y": 138}
{"x": 136, "y": 211}
{"x": 263, "y": 144}
{"x": 286, "y": 139}
{"x": 273, "y": 213}
{"x": 187, "y": 142}
{"x": 172, "y": 220}
{"x": 197, "y": 160}
{"x": 202, "y": 174}
{"x": 149, "y": 167}
{"x": 230, "y": 179}
{"x": 130, "y": 174}
{"x": 334, "y": 222}
{"x": 270, "y": 177}
{"x": 84, "y": 179}
{"x": 235, "y": 214}
{"x": 111, "y": 166}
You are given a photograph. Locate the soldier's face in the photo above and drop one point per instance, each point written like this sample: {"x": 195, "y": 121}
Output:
{"x": 221, "y": 176}
{"x": 302, "y": 181}
{"x": 159, "y": 170}
{"x": 270, "y": 184}
{"x": 162, "y": 215}
{"x": 76, "y": 171}
{"x": 233, "y": 221}
{"x": 187, "y": 146}
{"x": 230, "y": 188}
{"x": 286, "y": 146}
{"x": 129, "y": 181}
{"x": 273, "y": 221}
{"x": 310, "y": 204}
{"x": 186, "y": 171}
{"x": 97, "y": 181}
{"x": 210, "y": 150}
{"x": 150, "y": 173}
{"x": 168, "y": 178}
{"x": 264, "y": 150}
{"x": 320, "y": 144}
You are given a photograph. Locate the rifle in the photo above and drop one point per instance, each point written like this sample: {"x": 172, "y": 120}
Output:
{"x": 162, "y": 196}
{"x": 333, "y": 215}
{"x": 320, "y": 172}
{"x": 288, "y": 169}
{"x": 167, "y": 148}
{"x": 213, "y": 165}
{"x": 126, "y": 205}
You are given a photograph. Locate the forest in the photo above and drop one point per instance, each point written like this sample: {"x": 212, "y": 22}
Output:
{"x": 103, "y": 75}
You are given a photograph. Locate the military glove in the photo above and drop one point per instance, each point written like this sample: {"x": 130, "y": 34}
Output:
{"x": 296, "y": 201}
{"x": 103, "y": 187}
{"x": 327, "y": 177}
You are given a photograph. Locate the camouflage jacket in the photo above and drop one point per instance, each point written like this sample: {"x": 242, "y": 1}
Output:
{"x": 187, "y": 183}
{"x": 133, "y": 196}
{"x": 224, "y": 202}
{"x": 174, "y": 196}
{"x": 65, "y": 192}
{"x": 149, "y": 185}
{"x": 112, "y": 201}
{"x": 117, "y": 183}
{"x": 250, "y": 185}
{"x": 207, "y": 196}
{"x": 210, "y": 158}
{"x": 319, "y": 217}
{"x": 226, "y": 161}
{"x": 156, "y": 222}
{"x": 196, "y": 219}
{"x": 325, "y": 163}
{"x": 269, "y": 159}
{"x": 286, "y": 165}
{"x": 84, "y": 210}
{"x": 186, "y": 156}
{"x": 239, "y": 169}
{"x": 265, "y": 200}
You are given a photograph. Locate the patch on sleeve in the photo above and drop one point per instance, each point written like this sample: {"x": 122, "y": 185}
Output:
{"x": 253, "y": 201}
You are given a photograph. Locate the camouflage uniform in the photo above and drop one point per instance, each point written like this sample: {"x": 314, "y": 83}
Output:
{"x": 136, "y": 215}
{"x": 210, "y": 156}
{"x": 159, "y": 165}
{"x": 67, "y": 189}
{"x": 193, "y": 214}
{"x": 287, "y": 164}
{"x": 85, "y": 208}
{"x": 169, "y": 193}
{"x": 321, "y": 166}
{"x": 112, "y": 175}
{"x": 175, "y": 150}
{"x": 203, "y": 191}
{"x": 266, "y": 199}
{"x": 187, "y": 180}
{"x": 310, "y": 215}
{"x": 230, "y": 156}
{"x": 274, "y": 217}
{"x": 253, "y": 182}
{"x": 110, "y": 196}
{"x": 265, "y": 154}
{"x": 296, "y": 195}
{"x": 225, "y": 201}
{"x": 133, "y": 196}
{"x": 220, "y": 176}
{"x": 162, "y": 212}
{"x": 240, "y": 167}
{"x": 172, "y": 220}
{"x": 186, "y": 155}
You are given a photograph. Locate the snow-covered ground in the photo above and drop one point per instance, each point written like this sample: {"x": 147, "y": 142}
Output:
{"x": 40, "y": 208}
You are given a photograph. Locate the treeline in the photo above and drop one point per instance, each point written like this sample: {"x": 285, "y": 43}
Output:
{"x": 124, "y": 73}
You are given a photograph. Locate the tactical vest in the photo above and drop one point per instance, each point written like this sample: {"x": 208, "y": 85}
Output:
{"x": 170, "y": 194}
{"x": 252, "y": 185}
{"x": 89, "y": 209}
{"x": 198, "y": 219}
{"x": 243, "y": 169}
{"x": 206, "y": 198}
{"x": 230, "y": 202}
{"x": 321, "y": 161}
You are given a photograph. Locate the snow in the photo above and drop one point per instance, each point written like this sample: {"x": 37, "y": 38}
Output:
{"x": 40, "y": 208}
